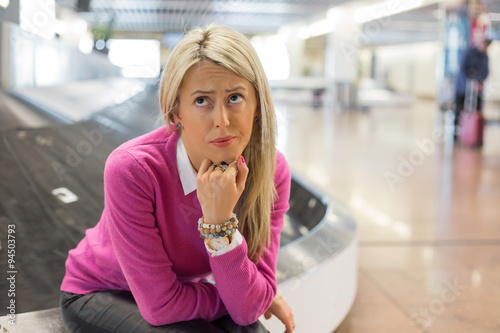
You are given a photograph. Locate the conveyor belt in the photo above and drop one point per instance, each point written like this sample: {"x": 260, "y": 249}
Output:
{"x": 36, "y": 161}
{"x": 17, "y": 113}
{"x": 39, "y": 241}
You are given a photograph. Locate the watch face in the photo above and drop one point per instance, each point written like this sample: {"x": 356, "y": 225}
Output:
{"x": 218, "y": 243}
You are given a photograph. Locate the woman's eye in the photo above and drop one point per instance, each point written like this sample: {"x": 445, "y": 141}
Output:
{"x": 235, "y": 99}
{"x": 201, "y": 101}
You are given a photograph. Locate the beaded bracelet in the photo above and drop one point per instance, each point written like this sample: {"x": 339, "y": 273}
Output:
{"x": 208, "y": 230}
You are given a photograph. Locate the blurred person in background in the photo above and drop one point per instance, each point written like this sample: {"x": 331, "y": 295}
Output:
{"x": 473, "y": 70}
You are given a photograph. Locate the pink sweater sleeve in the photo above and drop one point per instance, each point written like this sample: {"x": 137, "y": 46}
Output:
{"x": 247, "y": 289}
{"x": 160, "y": 296}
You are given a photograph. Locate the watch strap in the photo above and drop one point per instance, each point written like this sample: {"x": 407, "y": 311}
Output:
{"x": 237, "y": 240}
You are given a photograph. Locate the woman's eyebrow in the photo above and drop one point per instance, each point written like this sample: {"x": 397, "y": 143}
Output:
{"x": 236, "y": 88}
{"x": 207, "y": 92}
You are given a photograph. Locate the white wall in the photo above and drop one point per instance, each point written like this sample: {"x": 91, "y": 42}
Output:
{"x": 405, "y": 68}
{"x": 411, "y": 68}
{"x": 492, "y": 84}
{"x": 33, "y": 61}
{"x": 408, "y": 68}
{"x": 314, "y": 56}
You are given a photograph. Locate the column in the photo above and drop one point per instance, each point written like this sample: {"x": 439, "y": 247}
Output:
{"x": 341, "y": 61}
{"x": 9, "y": 13}
{"x": 295, "y": 46}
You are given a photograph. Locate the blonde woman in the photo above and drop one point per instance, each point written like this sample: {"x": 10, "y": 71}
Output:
{"x": 203, "y": 196}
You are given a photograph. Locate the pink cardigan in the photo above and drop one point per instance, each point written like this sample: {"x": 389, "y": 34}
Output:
{"x": 147, "y": 242}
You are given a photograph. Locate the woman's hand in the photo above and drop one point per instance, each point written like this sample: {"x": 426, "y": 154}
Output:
{"x": 282, "y": 311}
{"x": 218, "y": 191}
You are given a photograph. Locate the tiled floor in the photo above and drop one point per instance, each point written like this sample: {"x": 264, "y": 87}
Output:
{"x": 428, "y": 213}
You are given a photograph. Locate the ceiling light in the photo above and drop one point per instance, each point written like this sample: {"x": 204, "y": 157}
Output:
{"x": 321, "y": 27}
{"x": 383, "y": 9}
{"x": 317, "y": 28}
{"x": 303, "y": 33}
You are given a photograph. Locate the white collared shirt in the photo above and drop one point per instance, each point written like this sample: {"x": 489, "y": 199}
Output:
{"x": 185, "y": 169}
{"x": 188, "y": 180}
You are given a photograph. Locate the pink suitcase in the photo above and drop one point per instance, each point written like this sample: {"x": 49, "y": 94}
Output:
{"x": 471, "y": 119}
{"x": 471, "y": 129}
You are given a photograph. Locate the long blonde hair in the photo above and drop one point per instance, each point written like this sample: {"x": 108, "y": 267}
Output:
{"x": 233, "y": 51}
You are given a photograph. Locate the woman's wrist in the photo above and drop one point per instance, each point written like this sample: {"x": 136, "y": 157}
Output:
{"x": 215, "y": 250}
{"x": 217, "y": 219}
{"x": 213, "y": 230}
{"x": 218, "y": 236}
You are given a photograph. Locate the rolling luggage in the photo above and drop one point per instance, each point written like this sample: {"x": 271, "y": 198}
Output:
{"x": 471, "y": 119}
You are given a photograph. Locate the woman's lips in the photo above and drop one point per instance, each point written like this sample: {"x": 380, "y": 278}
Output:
{"x": 223, "y": 142}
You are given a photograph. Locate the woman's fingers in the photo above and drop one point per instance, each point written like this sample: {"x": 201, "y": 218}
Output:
{"x": 205, "y": 166}
{"x": 283, "y": 312}
{"x": 268, "y": 314}
{"x": 220, "y": 188}
{"x": 287, "y": 317}
{"x": 237, "y": 171}
{"x": 241, "y": 177}
{"x": 290, "y": 326}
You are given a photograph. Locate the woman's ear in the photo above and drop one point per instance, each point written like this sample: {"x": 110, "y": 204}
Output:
{"x": 175, "y": 118}
{"x": 257, "y": 112}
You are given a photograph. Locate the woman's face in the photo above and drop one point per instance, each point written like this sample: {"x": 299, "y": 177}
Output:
{"x": 217, "y": 109}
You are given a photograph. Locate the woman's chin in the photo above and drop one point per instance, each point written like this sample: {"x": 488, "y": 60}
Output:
{"x": 228, "y": 158}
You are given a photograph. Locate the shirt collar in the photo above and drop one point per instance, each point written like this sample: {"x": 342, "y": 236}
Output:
{"x": 185, "y": 169}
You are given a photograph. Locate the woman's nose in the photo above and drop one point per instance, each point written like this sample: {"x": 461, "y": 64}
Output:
{"x": 221, "y": 115}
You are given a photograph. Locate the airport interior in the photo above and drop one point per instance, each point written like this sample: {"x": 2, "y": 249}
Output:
{"x": 394, "y": 219}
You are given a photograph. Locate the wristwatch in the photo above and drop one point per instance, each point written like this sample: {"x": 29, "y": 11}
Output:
{"x": 218, "y": 243}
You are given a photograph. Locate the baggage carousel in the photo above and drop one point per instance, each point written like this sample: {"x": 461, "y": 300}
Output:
{"x": 51, "y": 167}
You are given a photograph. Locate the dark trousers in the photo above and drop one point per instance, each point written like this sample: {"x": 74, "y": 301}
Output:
{"x": 116, "y": 311}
